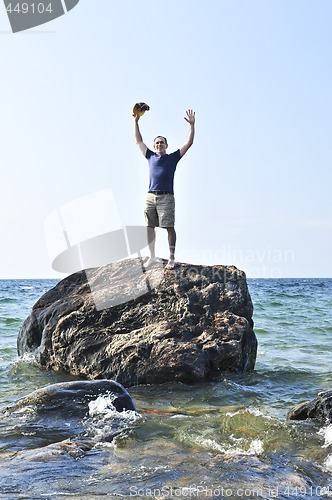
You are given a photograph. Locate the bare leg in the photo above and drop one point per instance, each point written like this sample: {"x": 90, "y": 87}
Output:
{"x": 151, "y": 237}
{"x": 171, "y": 243}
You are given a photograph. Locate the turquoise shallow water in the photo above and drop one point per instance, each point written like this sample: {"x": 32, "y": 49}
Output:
{"x": 225, "y": 439}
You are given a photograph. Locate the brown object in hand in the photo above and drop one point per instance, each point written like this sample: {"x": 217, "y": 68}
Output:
{"x": 140, "y": 108}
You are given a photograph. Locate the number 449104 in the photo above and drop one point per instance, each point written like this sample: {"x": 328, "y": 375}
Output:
{"x": 29, "y": 8}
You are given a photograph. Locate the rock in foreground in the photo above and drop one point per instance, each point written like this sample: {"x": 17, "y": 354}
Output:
{"x": 118, "y": 322}
{"x": 74, "y": 397}
{"x": 319, "y": 409}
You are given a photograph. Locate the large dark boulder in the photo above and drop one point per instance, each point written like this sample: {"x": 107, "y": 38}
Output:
{"x": 118, "y": 322}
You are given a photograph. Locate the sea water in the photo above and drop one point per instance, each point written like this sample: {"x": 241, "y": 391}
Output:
{"x": 224, "y": 439}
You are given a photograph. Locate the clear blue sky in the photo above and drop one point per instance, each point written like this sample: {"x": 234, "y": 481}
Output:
{"x": 254, "y": 190}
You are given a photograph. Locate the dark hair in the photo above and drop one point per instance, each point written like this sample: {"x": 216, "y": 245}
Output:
{"x": 161, "y": 137}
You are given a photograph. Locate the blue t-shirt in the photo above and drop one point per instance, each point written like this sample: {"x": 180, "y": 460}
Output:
{"x": 162, "y": 169}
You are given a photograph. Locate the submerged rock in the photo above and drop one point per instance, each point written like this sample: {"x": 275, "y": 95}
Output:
{"x": 55, "y": 452}
{"x": 73, "y": 398}
{"x": 69, "y": 418}
{"x": 319, "y": 409}
{"x": 117, "y": 322}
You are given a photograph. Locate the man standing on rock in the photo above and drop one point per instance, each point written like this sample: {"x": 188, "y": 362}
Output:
{"x": 159, "y": 202}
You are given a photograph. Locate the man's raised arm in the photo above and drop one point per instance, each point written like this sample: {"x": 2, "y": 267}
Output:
{"x": 190, "y": 118}
{"x": 138, "y": 136}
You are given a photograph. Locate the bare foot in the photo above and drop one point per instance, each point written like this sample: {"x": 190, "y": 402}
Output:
{"x": 149, "y": 263}
{"x": 170, "y": 264}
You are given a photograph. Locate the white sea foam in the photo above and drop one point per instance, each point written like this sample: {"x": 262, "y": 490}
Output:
{"x": 27, "y": 357}
{"x": 258, "y": 413}
{"x": 105, "y": 423}
{"x": 326, "y": 432}
{"x": 328, "y": 463}
{"x": 255, "y": 448}
{"x": 252, "y": 411}
{"x": 103, "y": 407}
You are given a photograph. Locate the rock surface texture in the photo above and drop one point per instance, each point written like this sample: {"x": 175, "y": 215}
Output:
{"x": 117, "y": 322}
{"x": 319, "y": 409}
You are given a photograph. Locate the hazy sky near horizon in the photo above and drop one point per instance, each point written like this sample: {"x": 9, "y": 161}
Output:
{"x": 254, "y": 191}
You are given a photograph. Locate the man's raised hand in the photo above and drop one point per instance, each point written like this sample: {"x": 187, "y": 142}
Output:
{"x": 190, "y": 118}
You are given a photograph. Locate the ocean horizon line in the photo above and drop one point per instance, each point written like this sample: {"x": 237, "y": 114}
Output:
{"x": 52, "y": 278}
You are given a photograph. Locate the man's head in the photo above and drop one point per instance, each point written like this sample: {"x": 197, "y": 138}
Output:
{"x": 160, "y": 145}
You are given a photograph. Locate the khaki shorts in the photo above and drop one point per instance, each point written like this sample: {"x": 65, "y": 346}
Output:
{"x": 159, "y": 210}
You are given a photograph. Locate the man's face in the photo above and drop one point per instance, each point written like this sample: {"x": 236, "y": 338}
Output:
{"x": 160, "y": 145}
